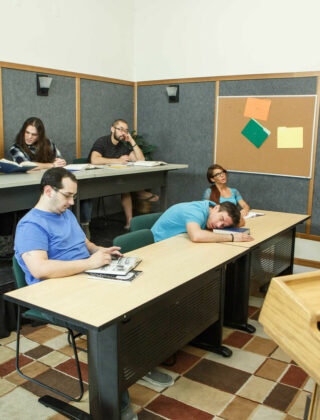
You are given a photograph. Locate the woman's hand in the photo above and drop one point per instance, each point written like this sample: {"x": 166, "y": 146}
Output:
{"x": 58, "y": 162}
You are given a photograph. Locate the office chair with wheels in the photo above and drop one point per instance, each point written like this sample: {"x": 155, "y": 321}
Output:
{"x": 144, "y": 221}
{"x": 35, "y": 315}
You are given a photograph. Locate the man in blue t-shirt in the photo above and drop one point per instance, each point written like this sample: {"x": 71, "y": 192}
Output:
{"x": 50, "y": 243}
{"x": 198, "y": 218}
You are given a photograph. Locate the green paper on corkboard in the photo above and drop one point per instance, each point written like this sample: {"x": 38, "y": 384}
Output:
{"x": 255, "y": 133}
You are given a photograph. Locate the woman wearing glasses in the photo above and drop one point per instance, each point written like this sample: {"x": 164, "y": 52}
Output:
{"x": 220, "y": 192}
{"x": 32, "y": 145}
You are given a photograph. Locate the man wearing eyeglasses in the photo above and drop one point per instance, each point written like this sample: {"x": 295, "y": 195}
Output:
{"x": 50, "y": 243}
{"x": 115, "y": 149}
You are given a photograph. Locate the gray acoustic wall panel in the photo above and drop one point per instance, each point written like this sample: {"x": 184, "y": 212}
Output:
{"x": 315, "y": 221}
{"x": 101, "y": 104}
{"x": 57, "y": 111}
{"x": 183, "y": 133}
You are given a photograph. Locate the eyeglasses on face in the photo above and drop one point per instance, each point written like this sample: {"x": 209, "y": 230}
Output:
{"x": 124, "y": 130}
{"x": 218, "y": 174}
{"x": 67, "y": 196}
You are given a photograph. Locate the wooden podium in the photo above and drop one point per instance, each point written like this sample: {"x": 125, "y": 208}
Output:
{"x": 291, "y": 317}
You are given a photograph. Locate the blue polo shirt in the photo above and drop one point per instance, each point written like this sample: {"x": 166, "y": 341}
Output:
{"x": 60, "y": 235}
{"x": 174, "y": 220}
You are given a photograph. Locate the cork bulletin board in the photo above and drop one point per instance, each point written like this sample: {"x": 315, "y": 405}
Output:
{"x": 285, "y": 145}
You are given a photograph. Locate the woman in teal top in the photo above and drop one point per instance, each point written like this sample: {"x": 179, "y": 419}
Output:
{"x": 220, "y": 192}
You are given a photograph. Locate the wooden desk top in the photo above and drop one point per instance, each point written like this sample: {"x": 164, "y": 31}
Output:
{"x": 166, "y": 265}
{"x": 22, "y": 179}
{"x": 265, "y": 227}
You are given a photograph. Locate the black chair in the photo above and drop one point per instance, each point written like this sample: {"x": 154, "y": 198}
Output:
{"x": 38, "y": 316}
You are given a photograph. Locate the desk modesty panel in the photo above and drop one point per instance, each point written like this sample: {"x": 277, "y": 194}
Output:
{"x": 165, "y": 266}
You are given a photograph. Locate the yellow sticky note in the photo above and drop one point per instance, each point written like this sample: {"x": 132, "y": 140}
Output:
{"x": 290, "y": 137}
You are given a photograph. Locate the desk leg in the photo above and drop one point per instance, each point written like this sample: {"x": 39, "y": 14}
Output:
{"x": 164, "y": 194}
{"x": 237, "y": 294}
{"x": 103, "y": 374}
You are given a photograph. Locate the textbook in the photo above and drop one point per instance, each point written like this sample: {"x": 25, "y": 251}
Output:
{"x": 8, "y": 166}
{"x": 128, "y": 278}
{"x": 253, "y": 214}
{"x": 120, "y": 266}
{"x": 225, "y": 231}
{"x": 147, "y": 163}
{"x": 82, "y": 166}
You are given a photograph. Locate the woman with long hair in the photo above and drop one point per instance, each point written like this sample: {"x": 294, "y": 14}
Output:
{"x": 219, "y": 192}
{"x": 32, "y": 145}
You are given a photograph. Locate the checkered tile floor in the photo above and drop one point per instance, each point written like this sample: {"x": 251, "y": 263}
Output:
{"x": 258, "y": 382}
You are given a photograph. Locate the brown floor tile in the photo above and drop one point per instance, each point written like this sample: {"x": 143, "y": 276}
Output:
{"x": 252, "y": 310}
{"x": 147, "y": 415}
{"x": 218, "y": 376}
{"x": 70, "y": 368}
{"x": 295, "y": 376}
{"x": 58, "y": 417}
{"x": 10, "y": 365}
{"x": 261, "y": 346}
{"x": 28, "y": 328}
{"x": 140, "y": 395}
{"x": 237, "y": 339}
{"x": 271, "y": 369}
{"x": 63, "y": 383}
{"x": 194, "y": 350}
{"x": 38, "y": 352}
{"x": 288, "y": 417}
{"x": 256, "y": 315}
{"x": 67, "y": 350}
{"x": 176, "y": 410}
{"x": 32, "y": 370}
{"x": 43, "y": 334}
{"x": 184, "y": 362}
{"x": 280, "y": 397}
{"x": 239, "y": 409}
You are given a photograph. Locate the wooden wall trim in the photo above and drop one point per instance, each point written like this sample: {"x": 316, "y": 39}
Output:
{"x": 311, "y": 183}
{"x": 234, "y": 77}
{"x": 1, "y": 119}
{"x": 308, "y": 236}
{"x": 64, "y": 73}
{"x": 78, "y": 119}
{"x": 307, "y": 263}
{"x": 217, "y": 92}
{"x": 135, "y": 106}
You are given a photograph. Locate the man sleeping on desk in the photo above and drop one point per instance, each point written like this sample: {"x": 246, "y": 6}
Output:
{"x": 198, "y": 218}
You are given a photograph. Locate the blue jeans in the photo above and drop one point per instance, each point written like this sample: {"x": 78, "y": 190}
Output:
{"x": 85, "y": 211}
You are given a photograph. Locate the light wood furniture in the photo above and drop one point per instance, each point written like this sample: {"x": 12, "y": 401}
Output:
{"x": 21, "y": 191}
{"x": 133, "y": 327}
{"x": 291, "y": 317}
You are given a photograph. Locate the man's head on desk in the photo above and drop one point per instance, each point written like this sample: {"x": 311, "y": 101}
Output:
{"x": 223, "y": 215}
{"x": 58, "y": 190}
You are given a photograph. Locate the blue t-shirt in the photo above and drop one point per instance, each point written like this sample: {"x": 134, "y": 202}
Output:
{"x": 174, "y": 220}
{"x": 58, "y": 234}
{"x": 235, "y": 196}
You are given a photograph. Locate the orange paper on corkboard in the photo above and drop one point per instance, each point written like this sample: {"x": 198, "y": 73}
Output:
{"x": 257, "y": 108}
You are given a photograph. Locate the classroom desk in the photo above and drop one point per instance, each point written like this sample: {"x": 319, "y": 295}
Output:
{"x": 21, "y": 191}
{"x": 270, "y": 254}
{"x": 134, "y": 327}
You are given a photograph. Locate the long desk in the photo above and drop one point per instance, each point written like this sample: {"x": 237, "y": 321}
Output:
{"x": 134, "y": 327}
{"x": 21, "y": 191}
{"x": 270, "y": 254}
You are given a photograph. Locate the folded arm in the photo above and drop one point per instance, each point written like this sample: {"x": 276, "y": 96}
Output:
{"x": 197, "y": 234}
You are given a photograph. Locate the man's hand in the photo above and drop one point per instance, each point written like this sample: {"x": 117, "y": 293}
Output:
{"x": 124, "y": 159}
{"x": 113, "y": 250}
{"x": 242, "y": 237}
{"x": 129, "y": 139}
{"x": 99, "y": 258}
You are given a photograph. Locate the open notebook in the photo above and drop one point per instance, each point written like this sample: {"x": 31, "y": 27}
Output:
{"x": 118, "y": 267}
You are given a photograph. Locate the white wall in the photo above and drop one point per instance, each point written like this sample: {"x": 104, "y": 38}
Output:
{"x": 85, "y": 36}
{"x": 308, "y": 250}
{"x": 188, "y": 38}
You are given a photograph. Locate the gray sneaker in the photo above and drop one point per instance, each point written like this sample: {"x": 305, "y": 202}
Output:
{"x": 128, "y": 414}
{"x": 157, "y": 378}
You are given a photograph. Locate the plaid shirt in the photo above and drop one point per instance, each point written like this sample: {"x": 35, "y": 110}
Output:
{"x": 18, "y": 155}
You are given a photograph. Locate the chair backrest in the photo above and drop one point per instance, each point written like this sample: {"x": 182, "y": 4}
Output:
{"x": 80, "y": 160}
{"x": 134, "y": 240}
{"x": 144, "y": 221}
{"x": 18, "y": 274}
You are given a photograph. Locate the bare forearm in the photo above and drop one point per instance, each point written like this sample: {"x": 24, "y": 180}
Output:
{"x": 53, "y": 268}
{"x": 137, "y": 153}
{"x": 99, "y": 160}
{"x": 207, "y": 236}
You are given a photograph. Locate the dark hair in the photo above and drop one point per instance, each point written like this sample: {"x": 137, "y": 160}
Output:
{"x": 44, "y": 152}
{"x": 232, "y": 211}
{"x": 119, "y": 120}
{"x": 215, "y": 193}
{"x": 54, "y": 177}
